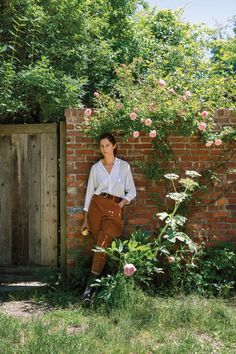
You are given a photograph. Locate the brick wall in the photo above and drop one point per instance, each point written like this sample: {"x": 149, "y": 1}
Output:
{"x": 217, "y": 214}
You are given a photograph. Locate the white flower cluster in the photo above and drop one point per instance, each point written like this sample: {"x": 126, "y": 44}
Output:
{"x": 171, "y": 176}
{"x": 192, "y": 174}
{"x": 162, "y": 215}
{"x": 178, "y": 197}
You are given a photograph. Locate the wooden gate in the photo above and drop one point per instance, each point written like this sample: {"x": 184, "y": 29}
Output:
{"x": 29, "y": 195}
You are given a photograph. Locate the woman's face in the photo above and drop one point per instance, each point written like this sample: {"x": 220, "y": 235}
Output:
{"x": 107, "y": 148}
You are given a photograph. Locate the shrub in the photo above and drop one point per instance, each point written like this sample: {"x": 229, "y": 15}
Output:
{"x": 214, "y": 272}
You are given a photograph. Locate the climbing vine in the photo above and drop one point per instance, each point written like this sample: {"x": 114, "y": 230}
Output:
{"x": 157, "y": 107}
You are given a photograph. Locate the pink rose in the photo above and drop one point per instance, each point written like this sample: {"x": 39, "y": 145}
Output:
{"x": 162, "y": 83}
{"x": 187, "y": 94}
{"x": 171, "y": 91}
{"x": 171, "y": 259}
{"x": 153, "y": 134}
{"x": 183, "y": 98}
{"x": 218, "y": 142}
{"x": 88, "y": 112}
{"x": 148, "y": 122}
{"x": 202, "y": 126}
{"x": 133, "y": 115}
{"x": 129, "y": 269}
{"x": 209, "y": 143}
{"x": 135, "y": 134}
{"x": 96, "y": 94}
{"x": 120, "y": 105}
{"x": 204, "y": 114}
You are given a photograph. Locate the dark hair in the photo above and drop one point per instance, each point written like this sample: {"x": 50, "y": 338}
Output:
{"x": 109, "y": 137}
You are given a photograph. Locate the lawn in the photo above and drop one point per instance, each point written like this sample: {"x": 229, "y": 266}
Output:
{"x": 53, "y": 321}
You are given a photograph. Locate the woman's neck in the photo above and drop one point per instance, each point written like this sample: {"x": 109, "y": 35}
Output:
{"x": 108, "y": 160}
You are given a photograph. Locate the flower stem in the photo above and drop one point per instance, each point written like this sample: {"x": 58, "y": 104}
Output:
{"x": 170, "y": 216}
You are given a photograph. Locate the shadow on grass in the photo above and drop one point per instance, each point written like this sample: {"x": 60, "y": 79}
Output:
{"x": 53, "y": 296}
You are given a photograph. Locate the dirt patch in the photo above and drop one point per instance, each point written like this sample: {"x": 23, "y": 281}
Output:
{"x": 76, "y": 329}
{"x": 24, "y": 309}
{"x": 215, "y": 344}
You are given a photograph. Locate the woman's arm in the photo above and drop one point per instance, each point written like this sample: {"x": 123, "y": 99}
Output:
{"x": 90, "y": 188}
{"x": 85, "y": 223}
{"x": 130, "y": 189}
{"x": 89, "y": 194}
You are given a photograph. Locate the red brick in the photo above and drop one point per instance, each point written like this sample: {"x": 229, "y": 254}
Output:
{"x": 70, "y": 139}
{"x": 74, "y": 146}
{"x": 140, "y": 146}
{"x": 178, "y": 139}
{"x": 139, "y": 221}
{"x": 70, "y": 127}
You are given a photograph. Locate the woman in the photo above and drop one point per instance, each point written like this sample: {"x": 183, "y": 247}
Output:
{"x": 110, "y": 187}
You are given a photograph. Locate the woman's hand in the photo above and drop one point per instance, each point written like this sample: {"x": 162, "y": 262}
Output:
{"x": 84, "y": 226}
{"x": 123, "y": 203}
{"x": 85, "y": 223}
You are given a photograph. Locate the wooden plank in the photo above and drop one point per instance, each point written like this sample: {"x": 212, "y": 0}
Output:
{"x": 5, "y": 200}
{"x": 49, "y": 199}
{"x": 20, "y": 188}
{"x": 34, "y": 160}
{"x": 49, "y": 128}
{"x": 34, "y": 194}
{"x": 26, "y": 273}
{"x": 63, "y": 253}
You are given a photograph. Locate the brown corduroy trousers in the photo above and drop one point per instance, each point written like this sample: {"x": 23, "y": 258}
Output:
{"x": 105, "y": 224}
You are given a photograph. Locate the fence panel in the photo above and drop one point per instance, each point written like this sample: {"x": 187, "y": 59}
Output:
{"x": 28, "y": 194}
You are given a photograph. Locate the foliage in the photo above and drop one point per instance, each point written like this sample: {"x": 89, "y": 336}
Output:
{"x": 169, "y": 90}
{"x": 38, "y": 93}
{"x": 62, "y": 51}
{"x": 223, "y": 49}
{"x": 35, "y": 87}
{"x": 114, "y": 292}
{"x": 173, "y": 222}
{"x": 80, "y": 46}
{"x": 213, "y": 272}
{"x": 207, "y": 271}
{"x": 143, "y": 253}
{"x": 182, "y": 103}
{"x": 169, "y": 261}
{"x": 134, "y": 251}
{"x": 173, "y": 86}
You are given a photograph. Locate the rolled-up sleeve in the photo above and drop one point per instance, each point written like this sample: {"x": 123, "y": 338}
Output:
{"x": 90, "y": 188}
{"x": 130, "y": 190}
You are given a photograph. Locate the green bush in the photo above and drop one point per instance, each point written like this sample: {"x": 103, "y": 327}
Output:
{"x": 83, "y": 44}
{"x": 215, "y": 271}
{"x": 36, "y": 94}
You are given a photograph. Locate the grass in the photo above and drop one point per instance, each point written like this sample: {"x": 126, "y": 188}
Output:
{"x": 150, "y": 325}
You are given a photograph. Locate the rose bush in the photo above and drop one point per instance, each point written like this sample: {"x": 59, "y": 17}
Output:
{"x": 157, "y": 107}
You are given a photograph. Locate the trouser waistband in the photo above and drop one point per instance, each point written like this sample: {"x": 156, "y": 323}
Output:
{"x": 110, "y": 196}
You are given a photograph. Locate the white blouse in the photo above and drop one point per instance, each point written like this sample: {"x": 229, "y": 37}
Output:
{"x": 118, "y": 182}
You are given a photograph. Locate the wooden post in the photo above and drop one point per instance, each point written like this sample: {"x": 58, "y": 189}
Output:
{"x": 63, "y": 251}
